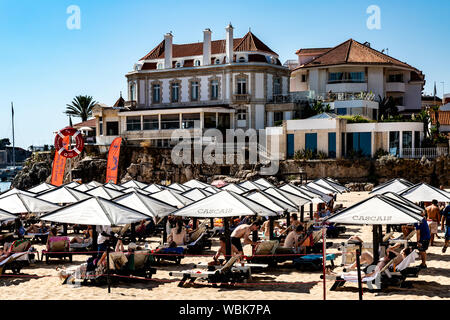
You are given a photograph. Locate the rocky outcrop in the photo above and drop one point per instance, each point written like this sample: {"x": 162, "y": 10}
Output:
{"x": 36, "y": 170}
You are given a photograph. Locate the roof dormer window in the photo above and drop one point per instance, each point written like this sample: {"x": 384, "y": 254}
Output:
{"x": 178, "y": 65}
{"x": 159, "y": 66}
{"x": 217, "y": 61}
{"x": 241, "y": 60}
{"x": 197, "y": 63}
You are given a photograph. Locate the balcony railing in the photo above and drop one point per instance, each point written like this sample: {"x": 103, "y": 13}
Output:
{"x": 345, "y": 96}
{"x": 130, "y": 104}
{"x": 296, "y": 96}
{"x": 241, "y": 98}
{"x": 414, "y": 153}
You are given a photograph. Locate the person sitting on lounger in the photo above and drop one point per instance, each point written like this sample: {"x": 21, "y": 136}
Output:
{"x": 295, "y": 239}
{"x": 87, "y": 237}
{"x": 294, "y": 222}
{"x": 177, "y": 234}
{"x": 243, "y": 232}
{"x": 222, "y": 250}
{"x": 4, "y": 254}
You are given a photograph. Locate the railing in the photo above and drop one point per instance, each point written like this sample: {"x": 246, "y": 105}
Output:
{"x": 130, "y": 104}
{"x": 292, "y": 97}
{"x": 241, "y": 98}
{"x": 414, "y": 153}
{"x": 345, "y": 96}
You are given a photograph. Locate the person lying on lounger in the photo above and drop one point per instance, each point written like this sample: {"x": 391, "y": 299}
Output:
{"x": 39, "y": 227}
{"x": 87, "y": 236}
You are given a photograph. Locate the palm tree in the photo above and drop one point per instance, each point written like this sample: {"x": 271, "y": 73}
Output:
{"x": 423, "y": 117}
{"x": 387, "y": 108}
{"x": 81, "y": 107}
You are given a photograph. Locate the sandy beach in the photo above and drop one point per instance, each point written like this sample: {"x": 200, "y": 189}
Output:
{"x": 281, "y": 283}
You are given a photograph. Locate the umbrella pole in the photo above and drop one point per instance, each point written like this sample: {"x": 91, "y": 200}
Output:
{"x": 133, "y": 232}
{"x": 164, "y": 230}
{"x": 271, "y": 220}
{"x": 226, "y": 229}
{"x": 302, "y": 213}
{"x": 376, "y": 244}
{"x": 311, "y": 211}
{"x": 358, "y": 267}
{"x": 211, "y": 220}
{"x": 94, "y": 240}
{"x": 64, "y": 229}
{"x": 107, "y": 269}
{"x": 288, "y": 219}
{"x": 324, "y": 261}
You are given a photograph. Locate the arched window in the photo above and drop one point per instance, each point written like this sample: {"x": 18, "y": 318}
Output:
{"x": 178, "y": 65}
{"x": 241, "y": 59}
{"x": 197, "y": 63}
{"x": 217, "y": 61}
{"x": 159, "y": 66}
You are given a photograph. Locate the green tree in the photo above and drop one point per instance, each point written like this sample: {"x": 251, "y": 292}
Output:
{"x": 423, "y": 117}
{"x": 4, "y": 143}
{"x": 387, "y": 108}
{"x": 81, "y": 107}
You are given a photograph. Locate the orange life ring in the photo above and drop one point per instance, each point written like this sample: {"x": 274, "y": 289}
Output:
{"x": 59, "y": 146}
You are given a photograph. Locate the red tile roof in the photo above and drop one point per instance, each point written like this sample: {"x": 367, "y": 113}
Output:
{"x": 353, "y": 52}
{"x": 248, "y": 43}
{"x": 444, "y": 117}
{"x": 88, "y": 123}
{"x": 312, "y": 50}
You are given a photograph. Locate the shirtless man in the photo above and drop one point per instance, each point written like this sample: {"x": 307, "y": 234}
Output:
{"x": 243, "y": 231}
{"x": 433, "y": 215}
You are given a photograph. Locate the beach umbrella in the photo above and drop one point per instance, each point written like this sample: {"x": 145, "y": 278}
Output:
{"x": 325, "y": 190}
{"x": 264, "y": 183}
{"x": 405, "y": 201}
{"x": 6, "y": 216}
{"x": 72, "y": 184}
{"x": 131, "y": 190}
{"x": 14, "y": 191}
{"x": 248, "y": 185}
{"x": 312, "y": 192}
{"x": 178, "y": 187}
{"x": 270, "y": 201}
{"x": 95, "y": 211}
{"x": 224, "y": 204}
{"x": 134, "y": 184}
{"x": 295, "y": 199}
{"x": 104, "y": 192}
{"x": 172, "y": 198}
{"x": 64, "y": 195}
{"x": 94, "y": 184}
{"x": 84, "y": 187}
{"x": 234, "y": 188}
{"x": 113, "y": 186}
{"x": 395, "y": 186}
{"x": 41, "y": 187}
{"x": 313, "y": 197}
{"x": 328, "y": 182}
{"x": 21, "y": 203}
{"x": 423, "y": 192}
{"x": 196, "y": 194}
{"x": 146, "y": 205}
{"x": 212, "y": 189}
{"x": 195, "y": 184}
{"x": 153, "y": 188}
{"x": 219, "y": 183}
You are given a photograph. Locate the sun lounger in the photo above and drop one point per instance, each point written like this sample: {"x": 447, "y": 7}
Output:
{"x": 37, "y": 237}
{"x": 265, "y": 253}
{"x": 199, "y": 240}
{"x": 313, "y": 262}
{"x": 58, "y": 247}
{"x": 228, "y": 274}
{"x": 169, "y": 254}
{"x": 14, "y": 263}
{"x": 79, "y": 247}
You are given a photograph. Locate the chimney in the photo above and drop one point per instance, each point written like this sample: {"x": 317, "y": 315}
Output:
{"x": 229, "y": 44}
{"x": 206, "y": 47}
{"x": 168, "y": 50}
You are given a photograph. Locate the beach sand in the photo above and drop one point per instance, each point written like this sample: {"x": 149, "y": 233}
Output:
{"x": 281, "y": 283}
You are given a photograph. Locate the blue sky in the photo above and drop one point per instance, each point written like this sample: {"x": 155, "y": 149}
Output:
{"x": 44, "y": 64}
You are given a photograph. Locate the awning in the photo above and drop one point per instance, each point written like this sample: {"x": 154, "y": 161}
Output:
{"x": 224, "y": 204}
{"x": 21, "y": 203}
{"x": 425, "y": 193}
{"x": 95, "y": 211}
{"x": 377, "y": 210}
{"x": 146, "y": 205}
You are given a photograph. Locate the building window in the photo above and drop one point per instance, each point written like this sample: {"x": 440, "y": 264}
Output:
{"x": 394, "y": 142}
{"x": 241, "y": 59}
{"x": 242, "y": 114}
{"x": 337, "y": 77}
{"x": 156, "y": 89}
{"x": 395, "y": 77}
{"x": 133, "y": 123}
{"x": 159, "y": 66}
{"x": 178, "y": 65}
{"x": 217, "y": 61}
{"x": 197, "y": 63}
{"x": 276, "y": 85}
{"x": 112, "y": 128}
{"x": 241, "y": 86}
{"x": 210, "y": 120}
{"x": 190, "y": 120}
{"x": 132, "y": 92}
{"x": 214, "y": 89}
{"x": 277, "y": 116}
{"x": 175, "y": 91}
{"x": 303, "y": 77}
{"x": 398, "y": 101}
{"x": 407, "y": 139}
{"x": 170, "y": 121}
{"x": 100, "y": 125}
{"x": 194, "y": 90}
{"x": 151, "y": 122}
{"x": 416, "y": 139}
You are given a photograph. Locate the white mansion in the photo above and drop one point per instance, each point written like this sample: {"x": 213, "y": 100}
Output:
{"x": 223, "y": 84}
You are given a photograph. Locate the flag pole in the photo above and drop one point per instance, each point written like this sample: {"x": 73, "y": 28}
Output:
{"x": 14, "y": 145}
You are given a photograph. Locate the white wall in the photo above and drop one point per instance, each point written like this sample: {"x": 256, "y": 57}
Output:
{"x": 259, "y": 116}
{"x": 259, "y": 85}
{"x": 375, "y": 81}
{"x": 269, "y": 86}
